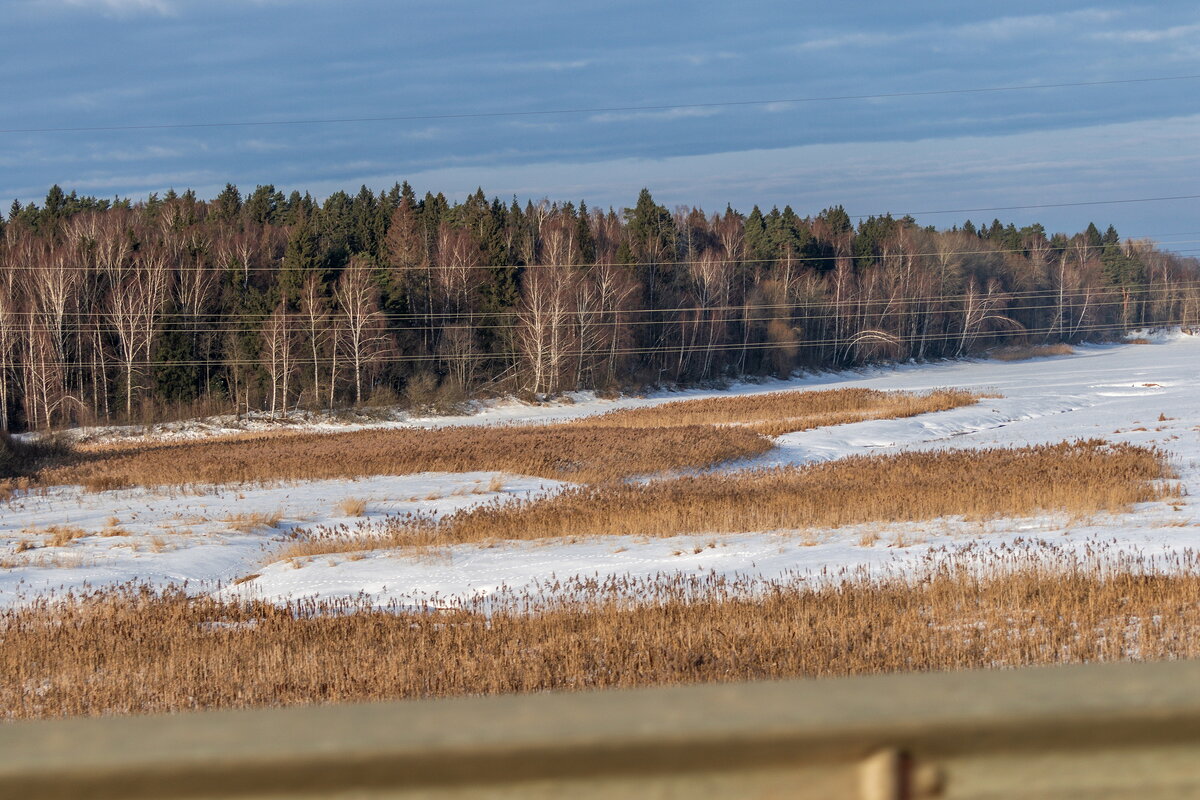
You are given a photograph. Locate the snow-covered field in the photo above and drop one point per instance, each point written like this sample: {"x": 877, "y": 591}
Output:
{"x": 1143, "y": 394}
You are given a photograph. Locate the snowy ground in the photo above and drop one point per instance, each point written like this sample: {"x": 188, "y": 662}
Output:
{"x": 205, "y": 538}
{"x": 1116, "y": 392}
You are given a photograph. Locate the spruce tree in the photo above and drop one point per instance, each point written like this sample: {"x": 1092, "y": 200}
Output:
{"x": 583, "y": 234}
{"x": 228, "y": 204}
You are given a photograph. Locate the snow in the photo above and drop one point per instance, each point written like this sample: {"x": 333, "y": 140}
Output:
{"x": 502, "y": 411}
{"x": 204, "y": 537}
{"x": 1115, "y": 392}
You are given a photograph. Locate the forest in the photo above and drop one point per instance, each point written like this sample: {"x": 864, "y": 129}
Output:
{"x": 116, "y": 311}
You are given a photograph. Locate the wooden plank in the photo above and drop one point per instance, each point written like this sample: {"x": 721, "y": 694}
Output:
{"x": 1089, "y": 731}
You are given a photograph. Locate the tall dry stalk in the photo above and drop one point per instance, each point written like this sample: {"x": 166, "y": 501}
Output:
{"x": 1077, "y": 478}
{"x": 133, "y": 651}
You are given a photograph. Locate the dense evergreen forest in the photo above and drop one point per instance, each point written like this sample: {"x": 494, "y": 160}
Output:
{"x": 128, "y": 311}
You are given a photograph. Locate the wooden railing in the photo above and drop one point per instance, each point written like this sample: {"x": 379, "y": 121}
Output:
{"x": 1099, "y": 731}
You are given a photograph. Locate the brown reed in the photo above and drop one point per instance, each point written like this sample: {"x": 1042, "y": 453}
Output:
{"x": 564, "y": 452}
{"x": 1024, "y": 352}
{"x": 1076, "y": 478}
{"x": 136, "y": 651}
{"x": 777, "y": 413}
{"x": 682, "y": 435}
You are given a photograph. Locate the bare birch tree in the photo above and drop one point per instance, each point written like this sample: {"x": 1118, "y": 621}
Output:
{"x": 278, "y": 356}
{"x": 365, "y": 335}
{"x": 135, "y": 303}
{"x": 315, "y": 316}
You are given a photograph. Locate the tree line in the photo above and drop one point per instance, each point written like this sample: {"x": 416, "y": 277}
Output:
{"x": 114, "y": 310}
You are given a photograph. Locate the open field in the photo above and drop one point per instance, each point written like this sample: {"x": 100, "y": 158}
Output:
{"x": 1077, "y": 479}
{"x": 215, "y": 538}
{"x": 1004, "y": 608}
{"x": 1051, "y": 522}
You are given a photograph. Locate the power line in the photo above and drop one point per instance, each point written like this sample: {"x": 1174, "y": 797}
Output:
{"x": 601, "y": 352}
{"x": 1087, "y": 292}
{"x": 593, "y": 110}
{"x": 297, "y": 325}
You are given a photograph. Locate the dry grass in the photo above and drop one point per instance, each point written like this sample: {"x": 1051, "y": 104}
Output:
{"x": 1023, "y": 352}
{"x": 868, "y": 538}
{"x": 246, "y": 523}
{"x": 136, "y": 652}
{"x": 575, "y": 452}
{"x": 61, "y": 535}
{"x": 352, "y": 506}
{"x": 1077, "y": 478}
{"x": 1139, "y": 340}
{"x": 675, "y": 436}
{"x": 777, "y": 413}
{"x": 58, "y": 559}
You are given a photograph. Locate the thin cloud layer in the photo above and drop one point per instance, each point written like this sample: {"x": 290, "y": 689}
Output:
{"x": 124, "y": 7}
{"x": 153, "y": 62}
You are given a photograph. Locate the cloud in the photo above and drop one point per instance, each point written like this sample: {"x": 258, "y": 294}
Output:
{"x": 1032, "y": 24}
{"x": 995, "y": 29}
{"x": 165, "y": 8}
{"x": 664, "y": 114}
{"x": 1172, "y": 34}
{"x": 1080, "y": 164}
{"x": 125, "y": 7}
{"x": 544, "y": 66}
{"x": 846, "y": 40}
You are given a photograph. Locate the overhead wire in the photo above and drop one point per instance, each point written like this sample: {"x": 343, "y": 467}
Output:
{"x": 297, "y": 324}
{"x": 491, "y": 316}
{"x": 891, "y": 340}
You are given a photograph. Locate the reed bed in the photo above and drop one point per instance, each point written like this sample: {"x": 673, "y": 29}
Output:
{"x": 777, "y": 413}
{"x": 1077, "y": 478}
{"x": 581, "y": 453}
{"x": 1025, "y": 352}
{"x": 682, "y": 435}
{"x": 137, "y": 651}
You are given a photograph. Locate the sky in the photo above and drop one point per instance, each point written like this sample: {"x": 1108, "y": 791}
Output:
{"x": 104, "y": 63}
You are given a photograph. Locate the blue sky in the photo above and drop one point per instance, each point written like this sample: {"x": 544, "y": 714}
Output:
{"x": 72, "y": 63}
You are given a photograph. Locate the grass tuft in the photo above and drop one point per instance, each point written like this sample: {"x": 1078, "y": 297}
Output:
{"x": 352, "y": 506}
{"x": 246, "y": 523}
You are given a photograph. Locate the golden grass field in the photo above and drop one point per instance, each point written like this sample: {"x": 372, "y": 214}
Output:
{"x": 124, "y": 652}
{"x": 563, "y": 452}
{"x": 684, "y": 435}
{"x": 777, "y": 413}
{"x": 1077, "y": 478}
